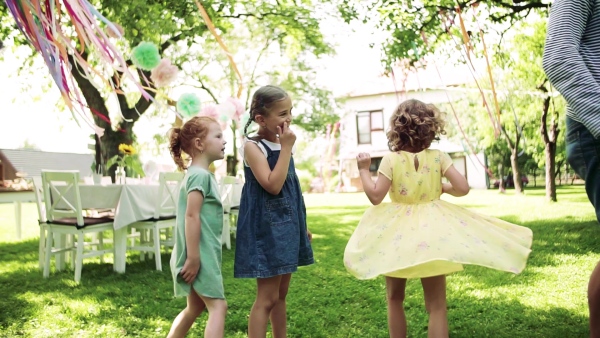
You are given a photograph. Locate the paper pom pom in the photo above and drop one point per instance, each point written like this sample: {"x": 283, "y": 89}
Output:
{"x": 244, "y": 119}
{"x": 114, "y": 31}
{"x": 224, "y": 118}
{"x": 223, "y": 125}
{"x": 210, "y": 111}
{"x": 163, "y": 74}
{"x": 239, "y": 107}
{"x": 145, "y": 56}
{"x": 226, "y": 108}
{"x": 188, "y": 105}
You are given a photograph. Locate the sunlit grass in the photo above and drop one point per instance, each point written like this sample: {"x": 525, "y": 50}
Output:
{"x": 547, "y": 300}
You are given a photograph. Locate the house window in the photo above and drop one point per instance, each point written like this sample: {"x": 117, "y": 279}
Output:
{"x": 375, "y": 163}
{"x": 366, "y": 123}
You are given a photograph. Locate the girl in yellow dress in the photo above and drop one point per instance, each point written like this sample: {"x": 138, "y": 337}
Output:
{"x": 418, "y": 235}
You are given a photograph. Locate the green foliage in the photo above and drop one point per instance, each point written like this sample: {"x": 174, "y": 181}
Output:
{"x": 409, "y": 21}
{"x": 291, "y": 29}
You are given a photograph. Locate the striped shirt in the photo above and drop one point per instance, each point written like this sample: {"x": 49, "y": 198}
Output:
{"x": 572, "y": 58}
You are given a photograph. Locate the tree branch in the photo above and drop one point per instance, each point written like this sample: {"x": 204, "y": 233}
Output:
{"x": 251, "y": 81}
{"x": 203, "y": 87}
{"x": 92, "y": 96}
{"x": 545, "y": 108}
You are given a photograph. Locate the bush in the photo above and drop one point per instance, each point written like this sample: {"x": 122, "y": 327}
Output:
{"x": 305, "y": 179}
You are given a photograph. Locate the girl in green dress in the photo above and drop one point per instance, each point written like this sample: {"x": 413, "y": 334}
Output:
{"x": 196, "y": 257}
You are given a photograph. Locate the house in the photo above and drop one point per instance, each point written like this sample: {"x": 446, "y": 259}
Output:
{"x": 367, "y": 112}
{"x": 18, "y": 163}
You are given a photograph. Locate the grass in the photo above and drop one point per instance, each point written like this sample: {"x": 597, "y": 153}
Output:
{"x": 547, "y": 300}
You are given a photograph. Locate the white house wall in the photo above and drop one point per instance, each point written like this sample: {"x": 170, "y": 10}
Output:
{"x": 388, "y": 103}
{"x": 349, "y": 147}
{"x": 476, "y": 172}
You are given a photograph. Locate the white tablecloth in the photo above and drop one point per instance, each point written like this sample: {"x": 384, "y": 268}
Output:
{"x": 132, "y": 203}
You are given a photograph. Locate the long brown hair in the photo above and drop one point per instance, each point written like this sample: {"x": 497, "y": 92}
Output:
{"x": 262, "y": 100}
{"x": 181, "y": 139}
{"x": 414, "y": 125}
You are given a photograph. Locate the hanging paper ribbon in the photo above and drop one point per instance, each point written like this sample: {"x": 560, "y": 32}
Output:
{"x": 211, "y": 28}
{"x": 487, "y": 61}
{"x": 43, "y": 24}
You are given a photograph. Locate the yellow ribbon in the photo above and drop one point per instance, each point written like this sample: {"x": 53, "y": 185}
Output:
{"x": 211, "y": 28}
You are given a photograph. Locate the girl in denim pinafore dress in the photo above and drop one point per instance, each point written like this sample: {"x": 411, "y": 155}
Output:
{"x": 272, "y": 238}
{"x": 271, "y": 234}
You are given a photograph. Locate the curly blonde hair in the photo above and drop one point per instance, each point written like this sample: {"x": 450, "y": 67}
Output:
{"x": 414, "y": 125}
{"x": 181, "y": 139}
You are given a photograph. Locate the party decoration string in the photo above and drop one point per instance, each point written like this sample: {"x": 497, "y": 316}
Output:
{"x": 43, "y": 24}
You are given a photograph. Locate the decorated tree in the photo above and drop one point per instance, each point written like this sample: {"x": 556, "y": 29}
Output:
{"x": 180, "y": 34}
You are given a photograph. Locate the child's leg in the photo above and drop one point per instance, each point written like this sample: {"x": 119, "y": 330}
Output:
{"x": 395, "y": 288}
{"x": 267, "y": 295}
{"x": 278, "y": 313}
{"x": 435, "y": 303}
{"x": 217, "y": 310}
{"x": 185, "y": 319}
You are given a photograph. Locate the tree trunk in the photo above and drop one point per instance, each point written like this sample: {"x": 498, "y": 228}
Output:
{"x": 232, "y": 161}
{"x": 515, "y": 169}
{"x": 502, "y": 183}
{"x": 558, "y": 171}
{"x": 550, "y": 150}
{"x": 109, "y": 142}
{"x": 549, "y": 137}
{"x": 514, "y": 158}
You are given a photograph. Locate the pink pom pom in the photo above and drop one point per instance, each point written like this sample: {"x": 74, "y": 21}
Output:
{"x": 210, "y": 111}
{"x": 163, "y": 74}
{"x": 111, "y": 33}
{"x": 239, "y": 108}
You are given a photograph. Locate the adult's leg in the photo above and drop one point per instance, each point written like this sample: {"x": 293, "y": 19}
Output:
{"x": 267, "y": 295}
{"x": 279, "y": 313}
{"x": 395, "y": 293}
{"x": 435, "y": 303}
{"x": 583, "y": 154}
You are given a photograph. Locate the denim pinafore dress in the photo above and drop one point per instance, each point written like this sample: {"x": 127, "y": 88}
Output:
{"x": 271, "y": 237}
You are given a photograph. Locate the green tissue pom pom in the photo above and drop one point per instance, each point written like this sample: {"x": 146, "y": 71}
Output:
{"x": 188, "y": 105}
{"x": 145, "y": 56}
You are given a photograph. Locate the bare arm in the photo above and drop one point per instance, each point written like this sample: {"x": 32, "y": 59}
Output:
{"x": 458, "y": 185}
{"x": 271, "y": 181}
{"x": 375, "y": 191}
{"x": 193, "y": 227}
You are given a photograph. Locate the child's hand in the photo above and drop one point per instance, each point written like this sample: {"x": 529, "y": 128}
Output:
{"x": 286, "y": 135}
{"x": 190, "y": 270}
{"x": 363, "y": 160}
{"x": 309, "y": 234}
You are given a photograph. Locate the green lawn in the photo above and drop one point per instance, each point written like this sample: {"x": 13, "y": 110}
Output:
{"x": 547, "y": 300}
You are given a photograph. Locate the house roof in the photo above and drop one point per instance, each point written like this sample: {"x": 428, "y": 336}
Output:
{"x": 422, "y": 79}
{"x": 30, "y": 162}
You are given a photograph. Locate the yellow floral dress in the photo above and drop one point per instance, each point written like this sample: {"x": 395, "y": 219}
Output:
{"x": 418, "y": 235}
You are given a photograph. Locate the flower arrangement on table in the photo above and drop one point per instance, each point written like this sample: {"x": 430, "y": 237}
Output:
{"x": 125, "y": 159}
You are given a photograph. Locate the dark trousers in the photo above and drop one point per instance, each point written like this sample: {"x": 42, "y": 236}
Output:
{"x": 583, "y": 154}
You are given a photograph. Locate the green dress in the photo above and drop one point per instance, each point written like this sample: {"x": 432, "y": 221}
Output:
{"x": 209, "y": 282}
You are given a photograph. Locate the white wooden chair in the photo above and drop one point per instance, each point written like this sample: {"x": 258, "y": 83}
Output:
{"x": 42, "y": 221}
{"x": 226, "y": 190}
{"x": 64, "y": 214}
{"x": 164, "y": 219}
